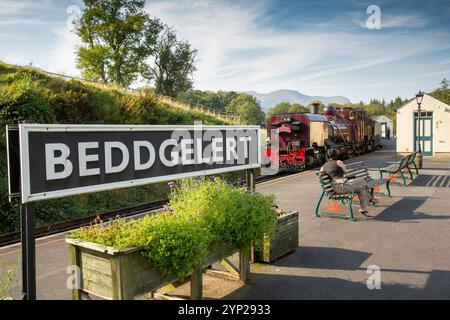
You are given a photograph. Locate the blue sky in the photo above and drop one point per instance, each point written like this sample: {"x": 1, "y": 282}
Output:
{"x": 315, "y": 47}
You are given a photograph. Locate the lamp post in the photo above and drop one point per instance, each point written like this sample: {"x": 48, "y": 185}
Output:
{"x": 419, "y": 99}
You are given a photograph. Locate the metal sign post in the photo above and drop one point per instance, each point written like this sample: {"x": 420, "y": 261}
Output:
{"x": 27, "y": 219}
{"x": 28, "y": 252}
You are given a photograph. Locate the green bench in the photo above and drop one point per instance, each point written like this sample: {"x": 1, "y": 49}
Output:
{"x": 359, "y": 170}
{"x": 412, "y": 161}
{"x": 328, "y": 191}
{"x": 355, "y": 170}
{"x": 396, "y": 167}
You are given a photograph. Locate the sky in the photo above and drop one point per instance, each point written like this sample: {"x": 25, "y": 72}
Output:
{"x": 357, "y": 49}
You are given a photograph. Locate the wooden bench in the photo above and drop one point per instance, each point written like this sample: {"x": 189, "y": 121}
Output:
{"x": 396, "y": 167}
{"x": 355, "y": 170}
{"x": 358, "y": 170}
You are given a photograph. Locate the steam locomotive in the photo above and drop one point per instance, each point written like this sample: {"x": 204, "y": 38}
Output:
{"x": 297, "y": 141}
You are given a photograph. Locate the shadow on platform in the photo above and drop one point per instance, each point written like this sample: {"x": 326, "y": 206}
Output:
{"x": 275, "y": 287}
{"x": 404, "y": 210}
{"x": 324, "y": 258}
{"x": 435, "y": 181}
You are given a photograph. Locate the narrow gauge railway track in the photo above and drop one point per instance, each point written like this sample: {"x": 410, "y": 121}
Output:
{"x": 42, "y": 231}
{"x": 59, "y": 227}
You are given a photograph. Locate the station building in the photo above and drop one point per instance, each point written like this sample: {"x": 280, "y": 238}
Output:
{"x": 385, "y": 124}
{"x": 435, "y": 127}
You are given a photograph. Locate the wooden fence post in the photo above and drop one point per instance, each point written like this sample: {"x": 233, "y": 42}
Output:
{"x": 197, "y": 284}
{"x": 74, "y": 258}
{"x": 244, "y": 264}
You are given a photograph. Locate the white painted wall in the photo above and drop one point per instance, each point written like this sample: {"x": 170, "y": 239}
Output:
{"x": 441, "y": 125}
{"x": 389, "y": 123}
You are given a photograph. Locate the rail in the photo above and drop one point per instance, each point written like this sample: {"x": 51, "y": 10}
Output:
{"x": 43, "y": 231}
{"x": 59, "y": 227}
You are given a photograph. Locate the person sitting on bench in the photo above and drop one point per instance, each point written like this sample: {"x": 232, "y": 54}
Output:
{"x": 336, "y": 169}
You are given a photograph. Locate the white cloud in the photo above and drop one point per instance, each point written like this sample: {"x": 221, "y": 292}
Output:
{"x": 21, "y": 6}
{"x": 396, "y": 21}
{"x": 61, "y": 57}
{"x": 403, "y": 21}
{"x": 24, "y": 22}
{"x": 225, "y": 32}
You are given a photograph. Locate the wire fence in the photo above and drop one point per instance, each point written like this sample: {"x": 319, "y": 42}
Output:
{"x": 201, "y": 108}
{"x": 180, "y": 103}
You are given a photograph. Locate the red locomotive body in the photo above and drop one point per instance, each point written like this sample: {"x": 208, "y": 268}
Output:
{"x": 299, "y": 140}
{"x": 363, "y": 127}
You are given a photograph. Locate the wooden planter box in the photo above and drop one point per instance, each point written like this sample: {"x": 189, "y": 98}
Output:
{"x": 283, "y": 242}
{"x": 124, "y": 274}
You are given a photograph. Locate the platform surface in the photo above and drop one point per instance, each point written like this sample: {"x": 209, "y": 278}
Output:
{"x": 408, "y": 239}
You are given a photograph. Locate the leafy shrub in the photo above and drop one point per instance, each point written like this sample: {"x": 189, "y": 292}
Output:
{"x": 29, "y": 94}
{"x": 201, "y": 214}
{"x": 7, "y": 280}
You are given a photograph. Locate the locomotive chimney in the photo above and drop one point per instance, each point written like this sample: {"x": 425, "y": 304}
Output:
{"x": 329, "y": 111}
{"x": 315, "y": 107}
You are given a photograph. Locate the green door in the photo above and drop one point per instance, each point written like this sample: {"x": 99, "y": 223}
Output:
{"x": 426, "y": 133}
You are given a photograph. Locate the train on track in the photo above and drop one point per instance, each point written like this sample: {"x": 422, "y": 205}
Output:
{"x": 297, "y": 141}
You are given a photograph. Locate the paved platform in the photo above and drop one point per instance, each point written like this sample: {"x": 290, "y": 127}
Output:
{"x": 408, "y": 238}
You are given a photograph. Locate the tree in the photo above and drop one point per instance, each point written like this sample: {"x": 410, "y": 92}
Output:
{"x": 173, "y": 65}
{"x": 248, "y": 108}
{"x": 118, "y": 36}
{"x": 375, "y": 109}
{"x": 444, "y": 84}
{"x": 281, "y": 107}
{"x": 443, "y": 92}
{"x": 297, "y": 108}
{"x": 216, "y": 100}
{"x": 286, "y": 107}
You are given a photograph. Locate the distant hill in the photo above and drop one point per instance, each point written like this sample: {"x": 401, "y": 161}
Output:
{"x": 268, "y": 100}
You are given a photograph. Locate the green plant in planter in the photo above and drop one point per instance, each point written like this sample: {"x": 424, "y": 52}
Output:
{"x": 231, "y": 215}
{"x": 201, "y": 215}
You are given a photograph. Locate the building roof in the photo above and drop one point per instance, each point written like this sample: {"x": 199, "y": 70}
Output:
{"x": 426, "y": 94}
{"x": 376, "y": 118}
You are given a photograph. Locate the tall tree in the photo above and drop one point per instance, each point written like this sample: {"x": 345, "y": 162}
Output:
{"x": 286, "y": 107}
{"x": 248, "y": 108}
{"x": 297, "y": 108}
{"x": 443, "y": 92}
{"x": 118, "y": 36}
{"x": 216, "y": 100}
{"x": 173, "y": 65}
{"x": 281, "y": 107}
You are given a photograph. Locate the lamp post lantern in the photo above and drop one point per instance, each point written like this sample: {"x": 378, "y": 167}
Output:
{"x": 419, "y": 99}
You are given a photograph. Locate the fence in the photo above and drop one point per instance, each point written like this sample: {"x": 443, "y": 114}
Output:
{"x": 179, "y": 103}
{"x": 201, "y": 108}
